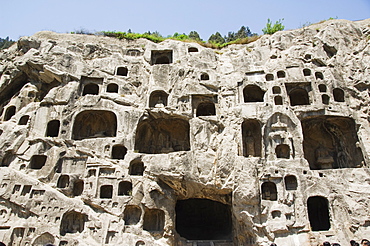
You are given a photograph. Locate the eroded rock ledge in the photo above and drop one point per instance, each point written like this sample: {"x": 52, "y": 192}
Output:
{"x": 115, "y": 142}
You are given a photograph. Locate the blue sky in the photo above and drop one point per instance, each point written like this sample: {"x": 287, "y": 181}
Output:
{"x": 26, "y": 17}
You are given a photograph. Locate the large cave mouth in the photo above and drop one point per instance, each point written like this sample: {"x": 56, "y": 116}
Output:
{"x": 203, "y": 219}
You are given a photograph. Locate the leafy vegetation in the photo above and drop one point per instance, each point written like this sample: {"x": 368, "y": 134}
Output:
{"x": 272, "y": 28}
{"x": 5, "y": 43}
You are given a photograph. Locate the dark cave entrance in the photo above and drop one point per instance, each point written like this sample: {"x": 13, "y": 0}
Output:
{"x": 203, "y": 219}
{"x": 318, "y": 213}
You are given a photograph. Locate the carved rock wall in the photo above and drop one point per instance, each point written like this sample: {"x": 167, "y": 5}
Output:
{"x": 117, "y": 142}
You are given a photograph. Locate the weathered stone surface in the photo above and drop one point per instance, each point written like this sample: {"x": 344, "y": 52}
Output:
{"x": 106, "y": 141}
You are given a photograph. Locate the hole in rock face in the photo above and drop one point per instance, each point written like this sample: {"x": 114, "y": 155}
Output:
{"x": 72, "y": 222}
{"x": 154, "y": 220}
{"x": 306, "y": 72}
{"x": 158, "y": 99}
{"x": 10, "y": 111}
{"x": 276, "y": 90}
{"x": 91, "y": 89}
{"x": 106, "y": 191}
{"x": 290, "y": 182}
{"x": 282, "y": 151}
{"x": 269, "y": 191}
{"x": 192, "y": 49}
{"x": 63, "y": 181}
{"x": 325, "y": 99}
{"x": 318, "y": 213}
{"x": 23, "y": 120}
{"x": 122, "y": 71}
{"x": 319, "y": 75}
{"x": 203, "y": 219}
{"x": 132, "y": 214}
{"x": 112, "y": 88}
{"x": 78, "y": 187}
{"x": 37, "y": 161}
{"x": 206, "y": 109}
{"x": 119, "y": 152}
{"x": 52, "y": 129}
{"x": 338, "y": 95}
{"x": 94, "y": 124}
{"x": 161, "y": 57}
{"x": 136, "y": 168}
{"x": 269, "y": 77}
{"x": 278, "y": 100}
{"x": 204, "y": 76}
{"x": 281, "y": 74}
{"x": 155, "y": 136}
{"x": 125, "y": 188}
{"x": 253, "y": 93}
{"x": 252, "y": 138}
{"x": 322, "y": 88}
{"x": 331, "y": 142}
{"x": 299, "y": 96}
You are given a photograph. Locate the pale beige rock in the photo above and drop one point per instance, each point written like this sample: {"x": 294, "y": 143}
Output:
{"x": 116, "y": 142}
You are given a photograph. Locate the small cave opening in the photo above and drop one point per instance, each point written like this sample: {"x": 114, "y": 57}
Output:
{"x": 112, "y": 88}
{"x": 125, "y": 188}
{"x": 94, "y": 124}
{"x": 318, "y": 213}
{"x": 52, "y": 129}
{"x": 253, "y": 93}
{"x": 206, "y": 109}
{"x": 322, "y": 88}
{"x": 63, "y": 181}
{"x": 306, "y": 72}
{"x": 91, "y": 89}
{"x": 281, "y": 74}
{"x": 106, "y": 191}
{"x": 131, "y": 214}
{"x": 122, "y": 71}
{"x": 325, "y": 99}
{"x": 331, "y": 142}
{"x": 276, "y": 90}
{"x": 161, "y": 135}
{"x": 278, "y": 100}
{"x": 269, "y": 77}
{"x": 158, "y": 99}
{"x": 338, "y": 95}
{"x": 319, "y": 75}
{"x": 192, "y": 49}
{"x": 204, "y": 76}
{"x": 119, "y": 152}
{"x": 203, "y": 219}
{"x": 72, "y": 222}
{"x": 154, "y": 220}
{"x": 161, "y": 57}
{"x": 269, "y": 191}
{"x": 23, "y": 120}
{"x": 78, "y": 187}
{"x": 282, "y": 151}
{"x": 136, "y": 168}
{"x": 9, "y": 112}
{"x": 290, "y": 182}
{"x": 252, "y": 138}
{"x": 37, "y": 161}
{"x": 299, "y": 96}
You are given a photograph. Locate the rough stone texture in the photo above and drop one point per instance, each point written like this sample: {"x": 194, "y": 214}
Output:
{"x": 135, "y": 143}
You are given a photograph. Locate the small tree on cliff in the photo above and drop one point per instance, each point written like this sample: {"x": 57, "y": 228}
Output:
{"x": 272, "y": 28}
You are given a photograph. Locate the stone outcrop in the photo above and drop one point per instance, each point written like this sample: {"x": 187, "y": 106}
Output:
{"x": 117, "y": 142}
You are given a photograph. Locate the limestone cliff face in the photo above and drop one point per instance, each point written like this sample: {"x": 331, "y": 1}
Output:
{"x": 115, "y": 142}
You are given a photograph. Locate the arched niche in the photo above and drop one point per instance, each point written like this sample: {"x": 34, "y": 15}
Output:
{"x": 269, "y": 77}
{"x": 268, "y": 190}
{"x": 158, "y": 99}
{"x": 253, "y": 93}
{"x": 78, "y": 187}
{"x": 203, "y": 219}
{"x": 206, "y": 109}
{"x": 63, "y": 181}
{"x": 204, "y": 76}
{"x": 276, "y": 90}
{"x": 278, "y": 100}
{"x": 299, "y": 96}
{"x": 72, "y": 222}
{"x": 154, "y": 220}
{"x": 322, "y": 88}
{"x": 112, "y": 88}
{"x": 94, "y": 124}
{"x": 136, "y": 168}
{"x": 319, "y": 75}
{"x": 331, "y": 142}
{"x": 161, "y": 57}
{"x": 306, "y": 72}
{"x": 192, "y": 49}
{"x": 52, "y": 129}
{"x": 325, "y": 99}
{"x": 162, "y": 135}
{"x": 252, "y": 138}
{"x": 90, "y": 89}
{"x": 106, "y": 191}
{"x": 125, "y": 188}
{"x": 119, "y": 151}
{"x": 318, "y": 213}
{"x": 9, "y": 112}
{"x": 37, "y": 161}
{"x": 290, "y": 182}
{"x": 122, "y": 71}
{"x": 23, "y": 120}
{"x": 338, "y": 95}
{"x": 131, "y": 214}
{"x": 282, "y": 151}
{"x": 281, "y": 74}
